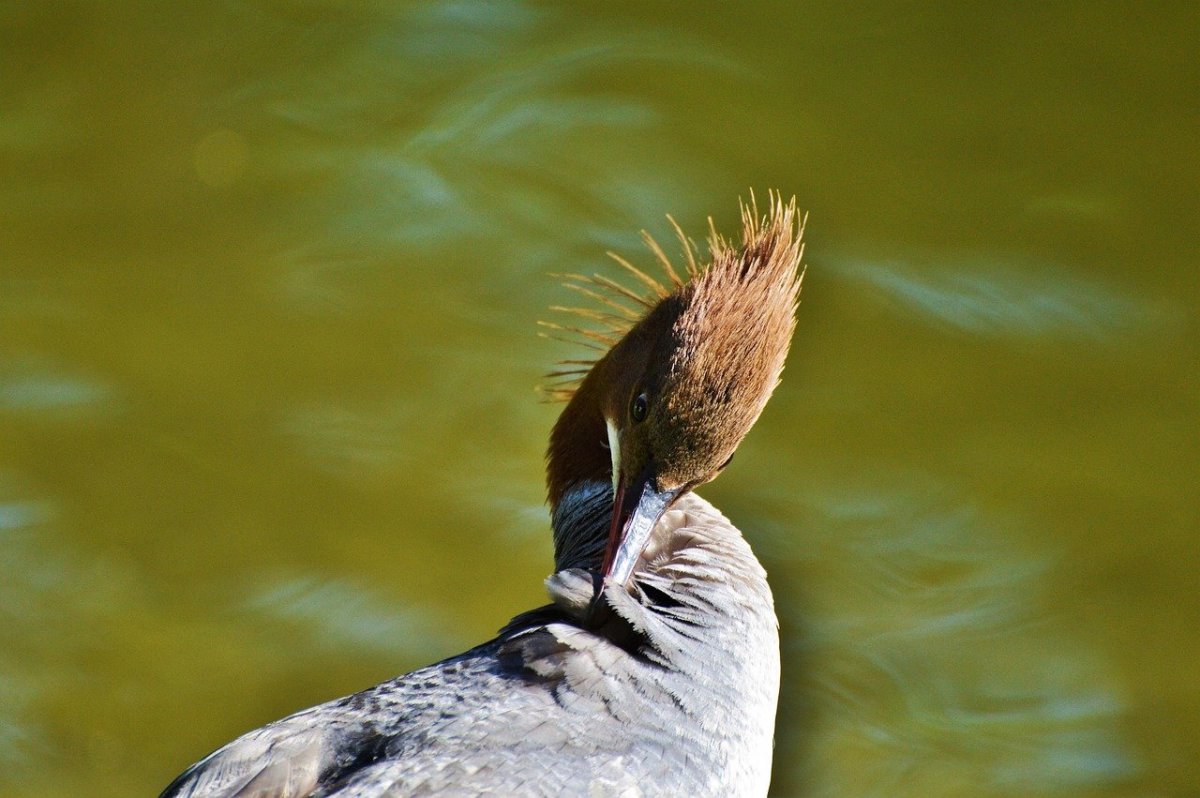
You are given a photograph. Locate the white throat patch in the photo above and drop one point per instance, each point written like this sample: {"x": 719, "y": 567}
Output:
{"x": 614, "y": 449}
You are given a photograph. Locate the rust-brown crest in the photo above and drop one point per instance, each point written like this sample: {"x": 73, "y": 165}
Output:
{"x": 767, "y": 259}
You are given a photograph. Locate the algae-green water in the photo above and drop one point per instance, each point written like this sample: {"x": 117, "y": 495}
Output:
{"x": 269, "y": 278}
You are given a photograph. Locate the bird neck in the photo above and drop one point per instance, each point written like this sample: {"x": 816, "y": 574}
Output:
{"x": 580, "y": 523}
{"x": 578, "y": 451}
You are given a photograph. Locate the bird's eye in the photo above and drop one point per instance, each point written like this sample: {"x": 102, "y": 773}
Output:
{"x": 640, "y": 406}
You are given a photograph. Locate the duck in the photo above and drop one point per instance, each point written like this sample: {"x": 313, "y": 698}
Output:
{"x": 654, "y": 669}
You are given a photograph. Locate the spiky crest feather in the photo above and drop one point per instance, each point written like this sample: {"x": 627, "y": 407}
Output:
{"x": 771, "y": 242}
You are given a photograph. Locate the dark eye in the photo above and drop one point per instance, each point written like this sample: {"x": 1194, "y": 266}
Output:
{"x": 640, "y": 406}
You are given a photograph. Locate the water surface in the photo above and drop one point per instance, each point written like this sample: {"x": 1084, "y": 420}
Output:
{"x": 268, "y": 428}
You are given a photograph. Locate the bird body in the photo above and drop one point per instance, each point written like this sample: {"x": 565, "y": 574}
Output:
{"x": 655, "y": 668}
{"x": 550, "y": 707}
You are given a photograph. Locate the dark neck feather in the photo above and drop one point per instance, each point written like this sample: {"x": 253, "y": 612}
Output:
{"x": 578, "y": 450}
{"x": 580, "y": 522}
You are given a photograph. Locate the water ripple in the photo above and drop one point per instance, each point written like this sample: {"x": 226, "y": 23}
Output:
{"x": 52, "y": 601}
{"x": 336, "y": 614}
{"x": 352, "y": 440}
{"x": 427, "y": 125}
{"x": 995, "y": 299}
{"x": 930, "y": 654}
{"x": 33, "y": 385}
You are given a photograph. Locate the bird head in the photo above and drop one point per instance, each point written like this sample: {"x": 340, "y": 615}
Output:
{"x": 680, "y": 388}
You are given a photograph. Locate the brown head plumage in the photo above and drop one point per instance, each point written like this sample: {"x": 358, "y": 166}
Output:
{"x": 681, "y": 383}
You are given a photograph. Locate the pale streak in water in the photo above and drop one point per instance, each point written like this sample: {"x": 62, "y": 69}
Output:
{"x": 34, "y": 385}
{"x": 352, "y": 440}
{"x": 337, "y": 614}
{"x": 993, "y": 299}
{"x": 18, "y": 587}
{"x": 55, "y": 605}
{"x": 930, "y": 652}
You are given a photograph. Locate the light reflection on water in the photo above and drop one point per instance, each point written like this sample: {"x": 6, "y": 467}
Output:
{"x": 1003, "y": 300}
{"x": 348, "y": 440}
{"x": 932, "y": 660}
{"x": 54, "y": 605}
{"x": 268, "y": 427}
{"x": 340, "y": 615}
{"x": 30, "y": 386}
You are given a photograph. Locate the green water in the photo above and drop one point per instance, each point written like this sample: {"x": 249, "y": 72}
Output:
{"x": 268, "y": 432}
